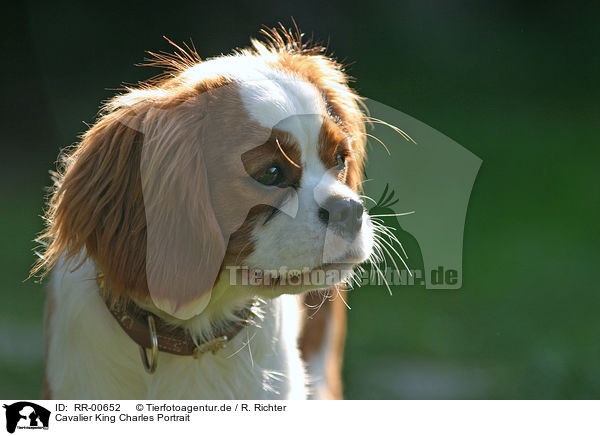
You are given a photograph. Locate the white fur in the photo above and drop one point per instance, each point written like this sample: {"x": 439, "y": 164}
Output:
{"x": 91, "y": 357}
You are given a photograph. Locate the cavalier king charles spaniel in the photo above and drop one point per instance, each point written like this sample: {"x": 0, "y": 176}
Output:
{"x": 190, "y": 227}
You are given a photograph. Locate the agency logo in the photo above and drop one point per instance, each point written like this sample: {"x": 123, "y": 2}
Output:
{"x": 422, "y": 178}
{"x": 26, "y": 415}
{"x": 420, "y": 187}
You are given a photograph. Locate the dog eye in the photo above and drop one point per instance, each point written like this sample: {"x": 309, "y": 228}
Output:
{"x": 271, "y": 176}
{"x": 341, "y": 161}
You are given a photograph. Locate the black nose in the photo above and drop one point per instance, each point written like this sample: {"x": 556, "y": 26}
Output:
{"x": 343, "y": 215}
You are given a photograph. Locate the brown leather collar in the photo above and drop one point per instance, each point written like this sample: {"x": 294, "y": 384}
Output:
{"x": 146, "y": 328}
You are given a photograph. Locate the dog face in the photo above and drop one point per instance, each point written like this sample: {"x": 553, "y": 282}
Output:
{"x": 323, "y": 223}
{"x": 251, "y": 160}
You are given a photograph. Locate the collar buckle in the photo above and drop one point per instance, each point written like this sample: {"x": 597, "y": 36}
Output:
{"x": 212, "y": 346}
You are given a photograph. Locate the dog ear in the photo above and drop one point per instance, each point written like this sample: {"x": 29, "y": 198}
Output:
{"x": 185, "y": 242}
{"x": 97, "y": 205}
{"x": 134, "y": 195}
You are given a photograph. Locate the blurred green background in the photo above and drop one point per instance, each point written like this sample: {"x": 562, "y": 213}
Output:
{"x": 514, "y": 82}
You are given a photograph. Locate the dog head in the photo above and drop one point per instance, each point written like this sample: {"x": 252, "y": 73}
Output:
{"x": 252, "y": 160}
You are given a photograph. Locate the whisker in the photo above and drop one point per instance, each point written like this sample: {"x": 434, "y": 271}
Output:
{"x": 391, "y": 257}
{"x": 394, "y": 128}
{"x": 385, "y": 230}
{"x": 249, "y": 348}
{"x": 395, "y": 214}
{"x": 400, "y": 257}
{"x": 285, "y": 155}
{"x": 244, "y": 344}
{"x": 389, "y": 232}
{"x": 368, "y": 198}
{"x": 383, "y": 278}
{"x": 394, "y": 239}
{"x": 318, "y": 306}
{"x": 380, "y": 141}
{"x": 344, "y": 301}
{"x": 378, "y": 248}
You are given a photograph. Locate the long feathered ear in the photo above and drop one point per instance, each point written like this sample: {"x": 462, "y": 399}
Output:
{"x": 134, "y": 195}
{"x": 185, "y": 243}
{"x": 97, "y": 204}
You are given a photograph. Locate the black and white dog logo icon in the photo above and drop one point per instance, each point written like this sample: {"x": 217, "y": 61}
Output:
{"x": 26, "y": 415}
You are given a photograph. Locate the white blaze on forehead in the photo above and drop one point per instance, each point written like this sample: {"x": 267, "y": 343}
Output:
{"x": 273, "y": 98}
{"x": 269, "y": 95}
{"x": 286, "y": 103}
{"x": 279, "y": 97}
